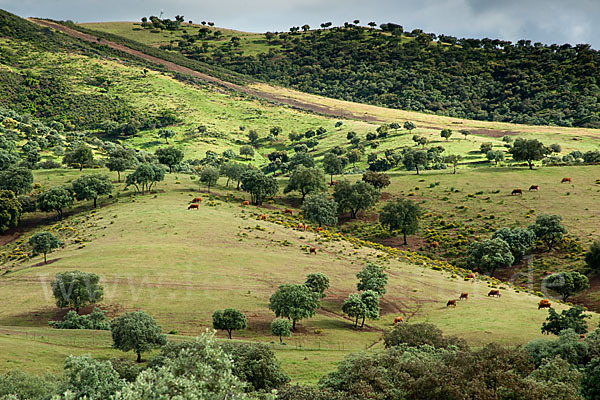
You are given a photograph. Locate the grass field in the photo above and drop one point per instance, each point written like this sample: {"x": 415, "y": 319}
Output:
{"x": 180, "y": 266}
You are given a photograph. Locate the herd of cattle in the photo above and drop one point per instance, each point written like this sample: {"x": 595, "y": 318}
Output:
{"x": 536, "y": 187}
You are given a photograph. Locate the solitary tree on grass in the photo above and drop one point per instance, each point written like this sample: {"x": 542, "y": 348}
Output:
{"x": 76, "y": 289}
{"x": 209, "y": 176}
{"x": 401, "y": 215}
{"x": 136, "y": 331}
{"x": 567, "y": 283}
{"x": 295, "y": 302}
{"x": 169, "y": 156}
{"x": 306, "y": 180}
{"x": 490, "y": 254}
{"x": 55, "y": 199}
{"x": 332, "y": 165}
{"x": 529, "y": 150}
{"x": 549, "y": 229}
{"x": 90, "y": 187}
{"x": 281, "y": 327}
{"x": 79, "y": 156}
{"x": 229, "y": 320}
{"x": 372, "y": 277}
{"x": 44, "y": 243}
{"x": 453, "y": 159}
{"x": 318, "y": 283}
{"x": 258, "y": 185}
{"x": 319, "y": 209}
{"x": 354, "y": 197}
{"x": 354, "y": 307}
{"x": 10, "y": 210}
{"x": 166, "y": 134}
{"x": 446, "y": 133}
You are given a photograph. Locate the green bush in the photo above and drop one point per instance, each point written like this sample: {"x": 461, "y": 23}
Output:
{"x": 95, "y": 320}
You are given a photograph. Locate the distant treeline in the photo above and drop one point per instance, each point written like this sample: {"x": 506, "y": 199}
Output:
{"x": 480, "y": 79}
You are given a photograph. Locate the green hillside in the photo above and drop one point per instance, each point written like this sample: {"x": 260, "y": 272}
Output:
{"x": 88, "y": 119}
{"x": 484, "y": 79}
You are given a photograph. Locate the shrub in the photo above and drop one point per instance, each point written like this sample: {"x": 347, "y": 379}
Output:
{"x": 96, "y": 320}
{"x": 419, "y": 335}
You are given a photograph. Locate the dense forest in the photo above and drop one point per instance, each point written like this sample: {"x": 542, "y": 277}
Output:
{"x": 483, "y": 79}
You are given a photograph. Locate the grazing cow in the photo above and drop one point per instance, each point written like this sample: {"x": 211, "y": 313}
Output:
{"x": 300, "y": 226}
{"x": 333, "y": 183}
{"x": 197, "y": 200}
{"x": 471, "y": 275}
{"x": 319, "y": 229}
{"x": 451, "y": 303}
{"x": 434, "y": 245}
{"x": 398, "y": 320}
{"x": 568, "y": 180}
{"x": 582, "y": 336}
{"x": 245, "y": 203}
{"x": 313, "y": 250}
{"x": 547, "y": 273}
{"x": 193, "y": 207}
{"x": 534, "y": 187}
{"x": 517, "y": 191}
{"x": 544, "y": 304}
{"x": 494, "y": 293}
{"x": 263, "y": 217}
{"x": 288, "y": 211}
{"x": 464, "y": 296}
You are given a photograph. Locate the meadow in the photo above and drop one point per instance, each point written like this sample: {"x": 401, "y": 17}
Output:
{"x": 181, "y": 265}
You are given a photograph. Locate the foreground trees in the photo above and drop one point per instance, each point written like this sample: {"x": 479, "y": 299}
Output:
{"x": 76, "y": 289}
{"x": 136, "y": 331}
{"x": 16, "y": 179}
{"x": 281, "y": 328}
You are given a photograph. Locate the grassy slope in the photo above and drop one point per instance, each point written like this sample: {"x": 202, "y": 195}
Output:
{"x": 180, "y": 266}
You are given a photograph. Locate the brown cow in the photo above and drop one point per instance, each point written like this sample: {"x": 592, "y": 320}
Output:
{"x": 332, "y": 183}
{"x": 263, "y": 217}
{"x": 544, "y": 304}
{"x": 464, "y": 296}
{"x": 193, "y": 207}
{"x": 398, "y": 320}
{"x": 517, "y": 191}
{"x": 319, "y": 229}
{"x": 494, "y": 293}
{"x": 288, "y": 211}
{"x": 245, "y": 203}
{"x": 582, "y": 336}
{"x": 434, "y": 245}
{"x": 566, "y": 180}
{"x": 534, "y": 187}
{"x": 197, "y": 200}
{"x": 471, "y": 275}
{"x": 451, "y": 303}
{"x": 313, "y": 250}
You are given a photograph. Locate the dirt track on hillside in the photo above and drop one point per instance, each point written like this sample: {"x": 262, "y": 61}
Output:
{"x": 274, "y": 98}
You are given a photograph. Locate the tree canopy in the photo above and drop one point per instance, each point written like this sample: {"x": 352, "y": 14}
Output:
{"x": 260, "y": 186}
{"x": 55, "y": 199}
{"x": 306, "y": 181}
{"x": 401, "y": 215}
{"x": 90, "y": 187}
{"x": 354, "y": 197}
{"x": 490, "y": 254}
{"x": 44, "y": 243}
{"x": 295, "y": 302}
{"x": 76, "y": 289}
{"x": 229, "y": 320}
{"x": 136, "y": 331}
{"x": 319, "y": 209}
{"x": 10, "y": 210}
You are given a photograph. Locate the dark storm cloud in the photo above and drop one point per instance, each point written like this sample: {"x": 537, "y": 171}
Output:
{"x": 547, "y": 21}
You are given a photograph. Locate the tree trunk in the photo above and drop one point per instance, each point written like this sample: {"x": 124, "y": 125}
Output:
{"x": 331, "y": 180}
{"x": 45, "y": 262}
{"x": 227, "y": 184}
{"x": 139, "y": 357}
{"x": 417, "y": 168}
{"x": 119, "y": 176}
{"x": 170, "y": 169}
{"x": 405, "y": 243}
{"x": 363, "y": 322}
{"x": 229, "y": 332}
{"x": 454, "y": 173}
{"x": 530, "y": 164}
{"x": 293, "y": 324}
{"x": 280, "y": 339}
{"x": 95, "y": 202}
{"x": 356, "y": 322}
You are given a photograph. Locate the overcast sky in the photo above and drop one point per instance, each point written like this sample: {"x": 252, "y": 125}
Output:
{"x": 546, "y": 21}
